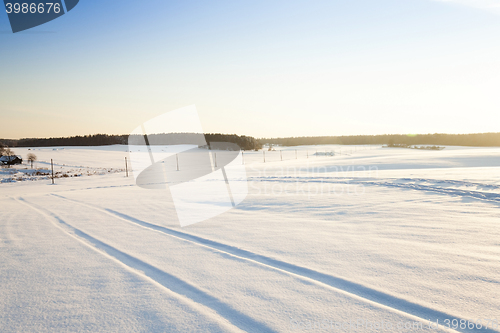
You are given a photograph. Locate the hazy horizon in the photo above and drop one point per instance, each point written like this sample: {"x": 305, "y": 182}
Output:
{"x": 259, "y": 138}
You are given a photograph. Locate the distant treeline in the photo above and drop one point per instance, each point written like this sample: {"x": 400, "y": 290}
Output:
{"x": 479, "y": 140}
{"x": 244, "y": 142}
{"x": 87, "y": 140}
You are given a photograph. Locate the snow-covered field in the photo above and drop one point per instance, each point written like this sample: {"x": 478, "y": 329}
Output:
{"x": 369, "y": 240}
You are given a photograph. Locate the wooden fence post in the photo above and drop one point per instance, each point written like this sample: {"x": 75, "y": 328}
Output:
{"x": 126, "y": 166}
{"x": 52, "y": 166}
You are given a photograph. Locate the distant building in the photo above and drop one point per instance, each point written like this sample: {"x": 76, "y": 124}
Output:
{"x": 10, "y": 160}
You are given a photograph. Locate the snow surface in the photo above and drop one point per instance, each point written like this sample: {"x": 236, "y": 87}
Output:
{"x": 370, "y": 237}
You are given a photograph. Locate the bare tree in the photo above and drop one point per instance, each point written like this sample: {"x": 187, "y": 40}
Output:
{"x": 31, "y": 158}
{"x": 8, "y": 152}
{"x": 2, "y": 149}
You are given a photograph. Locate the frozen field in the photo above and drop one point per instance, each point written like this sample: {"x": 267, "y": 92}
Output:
{"x": 369, "y": 240}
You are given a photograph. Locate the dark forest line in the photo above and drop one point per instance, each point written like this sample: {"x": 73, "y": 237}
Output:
{"x": 244, "y": 142}
{"x": 250, "y": 143}
{"x": 476, "y": 140}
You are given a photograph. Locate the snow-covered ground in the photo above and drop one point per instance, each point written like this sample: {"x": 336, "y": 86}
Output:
{"x": 369, "y": 240}
{"x": 68, "y": 162}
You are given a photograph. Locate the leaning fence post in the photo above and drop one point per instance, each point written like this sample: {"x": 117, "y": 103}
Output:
{"x": 126, "y": 166}
{"x": 264, "y": 155}
{"x": 177, "y": 159}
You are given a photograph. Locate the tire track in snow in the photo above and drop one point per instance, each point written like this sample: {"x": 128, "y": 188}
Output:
{"x": 228, "y": 317}
{"x": 7, "y": 235}
{"x": 494, "y": 197}
{"x": 358, "y": 291}
{"x": 453, "y": 182}
{"x": 486, "y": 196}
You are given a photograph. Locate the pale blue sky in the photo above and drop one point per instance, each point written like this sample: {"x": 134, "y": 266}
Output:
{"x": 260, "y": 68}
